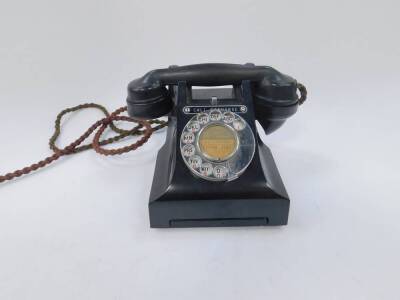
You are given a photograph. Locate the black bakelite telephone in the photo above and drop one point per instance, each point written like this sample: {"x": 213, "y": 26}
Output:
{"x": 213, "y": 169}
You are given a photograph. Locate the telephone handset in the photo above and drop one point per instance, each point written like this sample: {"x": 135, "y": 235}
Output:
{"x": 213, "y": 169}
{"x": 275, "y": 94}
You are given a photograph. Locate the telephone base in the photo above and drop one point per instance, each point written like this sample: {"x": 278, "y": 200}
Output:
{"x": 179, "y": 199}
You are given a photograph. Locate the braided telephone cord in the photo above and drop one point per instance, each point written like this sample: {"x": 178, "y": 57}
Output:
{"x": 102, "y": 124}
{"x": 303, "y": 93}
{"x": 143, "y": 128}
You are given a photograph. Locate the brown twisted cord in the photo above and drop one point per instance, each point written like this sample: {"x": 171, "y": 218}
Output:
{"x": 99, "y": 132}
{"x": 103, "y": 123}
{"x": 122, "y": 133}
{"x": 303, "y": 93}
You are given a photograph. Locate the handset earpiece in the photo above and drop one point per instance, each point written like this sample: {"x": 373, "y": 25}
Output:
{"x": 275, "y": 100}
{"x": 148, "y": 98}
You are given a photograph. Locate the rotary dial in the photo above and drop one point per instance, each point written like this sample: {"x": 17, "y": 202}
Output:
{"x": 217, "y": 145}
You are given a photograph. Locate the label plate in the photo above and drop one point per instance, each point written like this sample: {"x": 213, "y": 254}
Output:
{"x": 238, "y": 109}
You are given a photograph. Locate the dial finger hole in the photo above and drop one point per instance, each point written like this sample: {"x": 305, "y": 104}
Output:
{"x": 203, "y": 118}
{"x": 188, "y": 150}
{"x": 238, "y": 124}
{"x": 206, "y": 169}
{"x": 220, "y": 172}
{"x": 188, "y": 137}
{"x": 195, "y": 161}
{"x": 215, "y": 115}
{"x": 193, "y": 126}
{"x": 228, "y": 117}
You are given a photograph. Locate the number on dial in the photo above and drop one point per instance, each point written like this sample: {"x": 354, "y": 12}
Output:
{"x": 188, "y": 150}
{"x": 220, "y": 172}
{"x": 188, "y": 137}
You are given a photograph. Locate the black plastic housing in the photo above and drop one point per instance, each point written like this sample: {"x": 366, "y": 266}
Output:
{"x": 179, "y": 199}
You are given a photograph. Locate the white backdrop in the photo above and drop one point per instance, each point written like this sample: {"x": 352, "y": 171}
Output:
{"x": 79, "y": 229}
